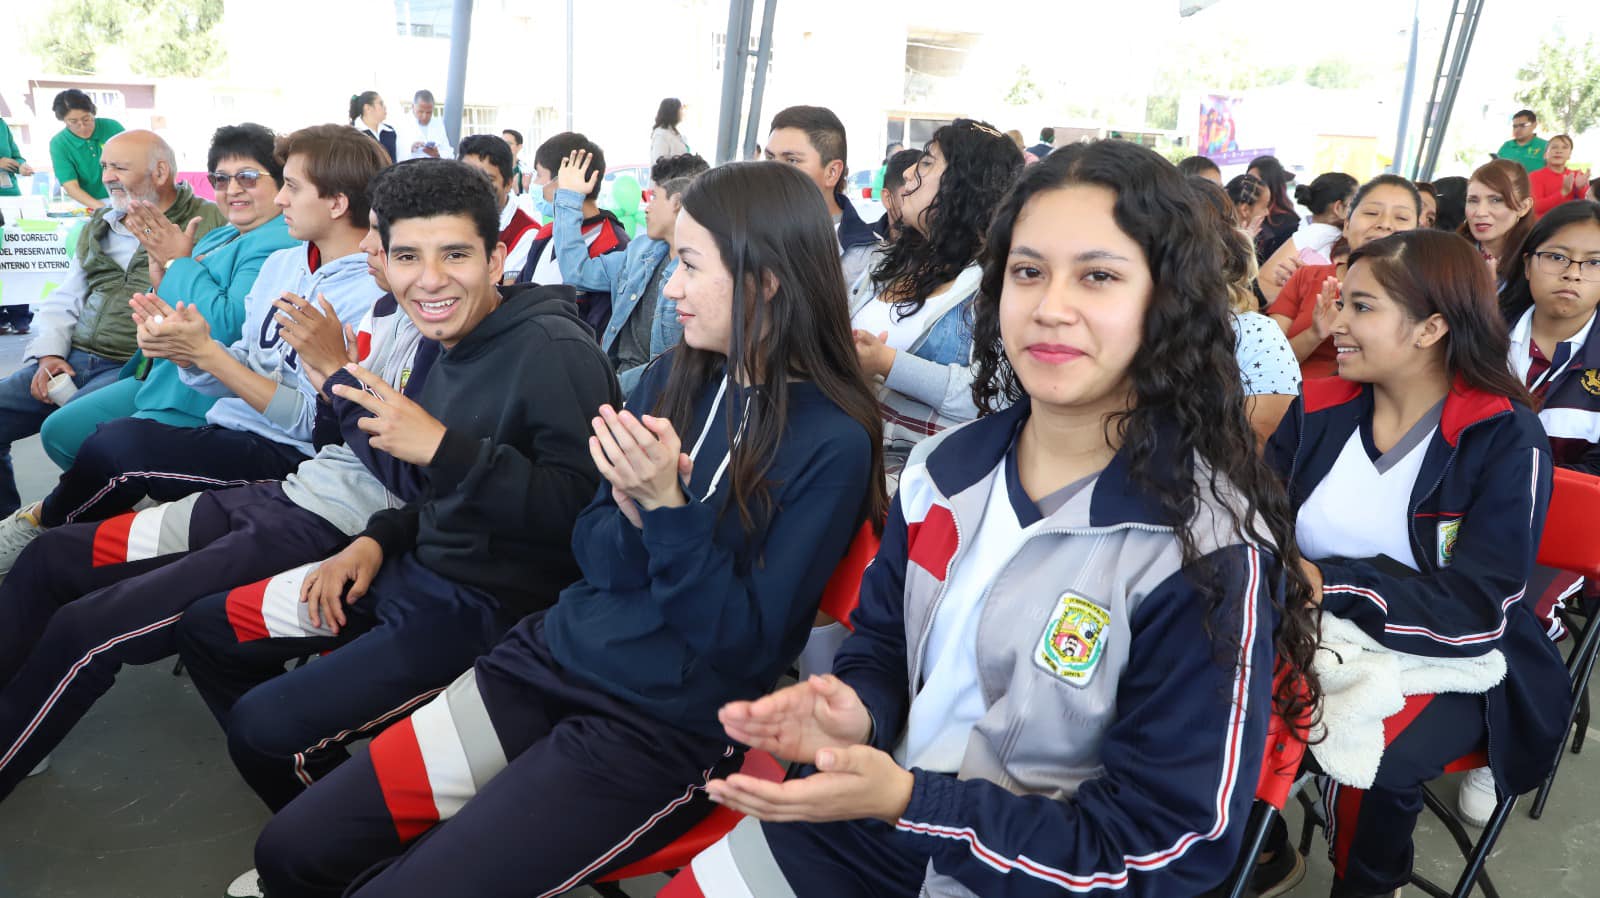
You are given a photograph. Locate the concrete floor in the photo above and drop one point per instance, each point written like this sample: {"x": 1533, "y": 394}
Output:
{"x": 141, "y": 801}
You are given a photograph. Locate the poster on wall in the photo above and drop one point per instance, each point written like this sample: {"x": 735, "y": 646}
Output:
{"x": 1224, "y": 131}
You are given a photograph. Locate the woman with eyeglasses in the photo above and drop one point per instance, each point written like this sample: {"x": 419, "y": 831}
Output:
{"x": 213, "y": 274}
{"x": 75, "y": 151}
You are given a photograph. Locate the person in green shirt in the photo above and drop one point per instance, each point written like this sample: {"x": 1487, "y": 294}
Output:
{"x": 12, "y": 165}
{"x": 1525, "y": 147}
{"x": 75, "y": 152}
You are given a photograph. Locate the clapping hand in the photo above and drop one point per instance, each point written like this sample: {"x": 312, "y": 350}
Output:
{"x": 821, "y": 722}
{"x": 163, "y": 241}
{"x": 642, "y": 459}
{"x": 1327, "y": 309}
{"x": 179, "y": 333}
{"x": 323, "y": 344}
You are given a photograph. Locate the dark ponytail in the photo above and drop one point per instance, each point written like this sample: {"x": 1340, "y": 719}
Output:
{"x": 1325, "y": 190}
{"x": 359, "y": 102}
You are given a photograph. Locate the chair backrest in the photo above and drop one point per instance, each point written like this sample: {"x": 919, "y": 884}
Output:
{"x": 1570, "y": 542}
{"x": 843, "y": 592}
{"x": 1286, "y": 746}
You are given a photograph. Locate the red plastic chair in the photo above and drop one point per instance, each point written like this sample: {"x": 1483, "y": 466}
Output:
{"x": 839, "y": 599}
{"x": 1569, "y": 544}
{"x": 1280, "y": 769}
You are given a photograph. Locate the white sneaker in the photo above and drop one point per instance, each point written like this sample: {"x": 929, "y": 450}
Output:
{"x": 248, "y": 885}
{"x": 1477, "y": 798}
{"x": 40, "y": 767}
{"x": 16, "y": 531}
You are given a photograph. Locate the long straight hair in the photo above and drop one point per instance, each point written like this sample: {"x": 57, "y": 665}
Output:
{"x": 770, "y": 225}
{"x": 1188, "y": 395}
{"x": 1434, "y": 273}
{"x": 1516, "y": 297}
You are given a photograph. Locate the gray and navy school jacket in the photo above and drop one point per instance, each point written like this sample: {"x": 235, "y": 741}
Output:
{"x": 857, "y": 240}
{"x": 1569, "y": 405}
{"x": 348, "y": 481}
{"x": 1120, "y": 745}
{"x": 290, "y": 415}
{"x": 1477, "y": 511}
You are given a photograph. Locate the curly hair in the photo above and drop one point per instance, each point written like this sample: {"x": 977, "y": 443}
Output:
{"x": 1187, "y": 391}
{"x": 980, "y": 166}
{"x": 424, "y": 188}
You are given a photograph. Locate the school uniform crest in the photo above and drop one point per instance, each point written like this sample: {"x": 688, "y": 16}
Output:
{"x": 1074, "y": 639}
{"x": 1449, "y": 531}
{"x": 1591, "y": 381}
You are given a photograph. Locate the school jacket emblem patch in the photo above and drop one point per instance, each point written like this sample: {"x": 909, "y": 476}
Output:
{"x": 1448, "y": 532}
{"x": 1073, "y": 640}
{"x": 1591, "y": 381}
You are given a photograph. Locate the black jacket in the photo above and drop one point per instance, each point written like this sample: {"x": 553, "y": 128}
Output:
{"x": 513, "y": 470}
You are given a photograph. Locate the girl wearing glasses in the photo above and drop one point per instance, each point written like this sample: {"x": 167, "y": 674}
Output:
{"x": 75, "y": 151}
{"x": 213, "y": 274}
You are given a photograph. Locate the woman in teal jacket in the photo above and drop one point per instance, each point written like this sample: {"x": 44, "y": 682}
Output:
{"x": 213, "y": 274}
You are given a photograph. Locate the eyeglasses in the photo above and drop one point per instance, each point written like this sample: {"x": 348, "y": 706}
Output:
{"x": 247, "y": 178}
{"x": 1557, "y": 264}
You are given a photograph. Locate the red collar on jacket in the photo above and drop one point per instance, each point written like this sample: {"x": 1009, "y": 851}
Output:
{"x": 1464, "y": 406}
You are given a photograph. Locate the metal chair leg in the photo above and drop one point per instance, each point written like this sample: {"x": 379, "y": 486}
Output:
{"x": 177, "y": 668}
{"x": 1581, "y": 665}
{"x": 1261, "y": 816}
{"x": 1474, "y": 872}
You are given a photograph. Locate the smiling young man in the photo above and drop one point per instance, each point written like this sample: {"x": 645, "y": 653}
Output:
{"x": 812, "y": 139}
{"x": 261, "y": 427}
{"x": 87, "y": 598}
{"x": 505, "y": 468}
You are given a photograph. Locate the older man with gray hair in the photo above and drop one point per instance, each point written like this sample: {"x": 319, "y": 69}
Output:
{"x": 84, "y": 329}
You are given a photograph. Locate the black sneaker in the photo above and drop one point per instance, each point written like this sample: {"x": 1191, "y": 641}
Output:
{"x": 1283, "y": 870}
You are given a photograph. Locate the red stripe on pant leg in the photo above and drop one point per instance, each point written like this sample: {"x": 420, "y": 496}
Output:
{"x": 1396, "y": 723}
{"x": 403, "y": 779}
{"x": 1347, "y": 808}
{"x": 244, "y": 611}
{"x": 111, "y": 540}
{"x": 684, "y": 885}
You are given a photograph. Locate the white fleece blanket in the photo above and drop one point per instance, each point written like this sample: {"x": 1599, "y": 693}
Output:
{"x": 1363, "y": 683}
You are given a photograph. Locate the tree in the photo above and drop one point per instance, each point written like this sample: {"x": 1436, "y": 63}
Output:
{"x": 1024, "y": 90}
{"x": 1562, "y": 83}
{"x": 1334, "y": 74}
{"x": 163, "y": 38}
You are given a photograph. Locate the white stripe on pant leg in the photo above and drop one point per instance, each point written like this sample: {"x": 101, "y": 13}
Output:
{"x": 144, "y": 534}
{"x": 717, "y": 874}
{"x": 281, "y": 608}
{"x": 449, "y": 774}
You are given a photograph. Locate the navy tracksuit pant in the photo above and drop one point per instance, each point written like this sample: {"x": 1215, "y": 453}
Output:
{"x": 405, "y": 640}
{"x": 129, "y": 459}
{"x": 517, "y": 781}
{"x": 1369, "y": 830}
{"x": 85, "y": 599}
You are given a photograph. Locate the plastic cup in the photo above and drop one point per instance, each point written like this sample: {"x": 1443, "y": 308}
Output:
{"x": 61, "y": 388}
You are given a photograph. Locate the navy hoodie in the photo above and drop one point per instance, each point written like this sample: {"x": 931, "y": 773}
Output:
{"x": 513, "y": 470}
{"x": 1477, "y": 511}
{"x": 691, "y": 612}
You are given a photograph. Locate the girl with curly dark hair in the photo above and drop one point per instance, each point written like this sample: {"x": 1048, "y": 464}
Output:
{"x": 912, "y": 325}
{"x": 1061, "y": 671}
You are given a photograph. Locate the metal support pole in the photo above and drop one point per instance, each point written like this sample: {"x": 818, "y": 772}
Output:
{"x": 569, "y": 65}
{"x": 1411, "y": 86}
{"x": 734, "y": 54}
{"x": 1452, "y": 85}
{"x": 752, "y": 128}
{"x": 455, "y": 91}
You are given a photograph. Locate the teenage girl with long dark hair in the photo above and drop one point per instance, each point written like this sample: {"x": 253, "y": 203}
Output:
{"x": 1061, "y": 671}
{"x": 747, "y": 459}
{"x": 1419, "y": 479}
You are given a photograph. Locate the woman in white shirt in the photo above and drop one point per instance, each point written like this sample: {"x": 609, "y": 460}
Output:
{"x": 664, "y": 137}
{"x": 1329, "y": 198}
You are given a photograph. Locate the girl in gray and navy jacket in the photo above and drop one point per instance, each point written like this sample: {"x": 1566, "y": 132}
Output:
{"x": 1420, "y": 479}
{"x": 1061, "y": 671}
